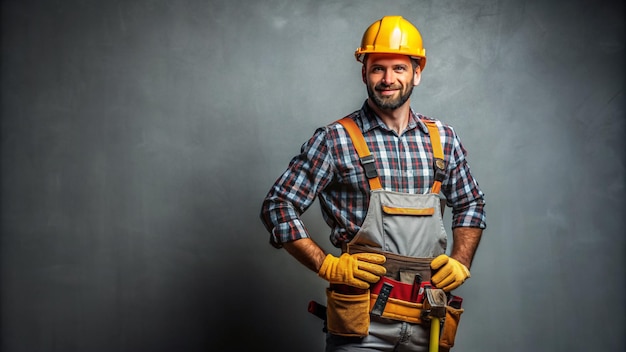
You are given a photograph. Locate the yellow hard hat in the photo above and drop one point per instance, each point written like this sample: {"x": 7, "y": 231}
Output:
{"x": 392, "y": 35}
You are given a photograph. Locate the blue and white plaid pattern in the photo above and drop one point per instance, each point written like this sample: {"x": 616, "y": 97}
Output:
{"x": 328, "y": 167}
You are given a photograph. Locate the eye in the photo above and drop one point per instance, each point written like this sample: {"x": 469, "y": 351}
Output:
{"x": 377, "y": 69}
{"x": 400, "y": 68}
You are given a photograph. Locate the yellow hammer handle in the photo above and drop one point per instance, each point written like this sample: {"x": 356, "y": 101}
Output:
{"x": 434, "y": 335}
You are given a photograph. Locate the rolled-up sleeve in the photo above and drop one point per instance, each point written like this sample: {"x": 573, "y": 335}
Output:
{"x": 295, "y": 190}
{"x": 462, "y": 191}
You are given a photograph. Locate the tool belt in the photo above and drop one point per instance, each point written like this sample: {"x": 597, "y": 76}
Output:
{"x": 408, "y": 276}
{"x": 400, "y": 295}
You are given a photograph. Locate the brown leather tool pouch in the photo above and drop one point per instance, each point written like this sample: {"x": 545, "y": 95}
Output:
{"x": 453, "y": 316}
{"x": 348, "y": 314}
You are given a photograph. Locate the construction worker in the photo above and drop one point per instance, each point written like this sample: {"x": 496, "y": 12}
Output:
{"x": 382, "y": 175}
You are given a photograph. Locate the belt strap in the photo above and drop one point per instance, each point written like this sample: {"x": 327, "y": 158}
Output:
{"x": 368, "y": 161}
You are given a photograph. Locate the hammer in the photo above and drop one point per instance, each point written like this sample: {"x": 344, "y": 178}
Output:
{"x": 435, "y": 309}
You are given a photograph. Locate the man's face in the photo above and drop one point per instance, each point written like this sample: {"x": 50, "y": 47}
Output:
{"x": 389, "y": 79}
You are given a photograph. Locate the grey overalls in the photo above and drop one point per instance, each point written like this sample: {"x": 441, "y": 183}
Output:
{"x": 406, "y": 228}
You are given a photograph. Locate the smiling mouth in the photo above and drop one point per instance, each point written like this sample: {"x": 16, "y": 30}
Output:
{"x": 387, "y": 91}
{"x": 387, "y": 88}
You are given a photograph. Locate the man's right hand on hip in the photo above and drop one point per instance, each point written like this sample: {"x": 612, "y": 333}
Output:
{"x": 358, "y": 270}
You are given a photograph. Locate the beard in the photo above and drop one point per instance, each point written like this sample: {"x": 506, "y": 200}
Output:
{"x": 389, "y": 103}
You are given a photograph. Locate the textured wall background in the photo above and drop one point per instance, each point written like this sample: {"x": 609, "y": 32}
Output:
{"x": 139, "y": 138}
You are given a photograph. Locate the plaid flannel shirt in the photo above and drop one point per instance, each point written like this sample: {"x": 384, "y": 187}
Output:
{"x": 329, "y": 168}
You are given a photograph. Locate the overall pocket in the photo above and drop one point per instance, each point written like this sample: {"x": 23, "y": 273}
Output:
{"x": 414, "y": 231}
{"x": 348, "y": 315}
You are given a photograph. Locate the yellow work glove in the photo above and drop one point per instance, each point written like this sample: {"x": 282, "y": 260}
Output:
{"x": 449, "y": 273}
{"x": 358, "y": 270}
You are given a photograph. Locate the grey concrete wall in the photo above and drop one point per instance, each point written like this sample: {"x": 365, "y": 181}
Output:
{"x": 139, "y": 138}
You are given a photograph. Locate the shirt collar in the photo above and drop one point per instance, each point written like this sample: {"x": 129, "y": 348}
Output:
{"x": 369, "y": 120}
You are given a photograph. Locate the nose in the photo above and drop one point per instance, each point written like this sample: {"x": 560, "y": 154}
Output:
{"x": 388, "y": 77}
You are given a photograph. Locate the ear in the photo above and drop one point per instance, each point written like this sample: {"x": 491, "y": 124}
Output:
{"x": 417, "y": 76}
{"x": 363, "y": 77}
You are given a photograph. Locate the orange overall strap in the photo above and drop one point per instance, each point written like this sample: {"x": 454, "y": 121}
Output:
{"x": 367, "y": 159}
{"x": 435, "y": 142}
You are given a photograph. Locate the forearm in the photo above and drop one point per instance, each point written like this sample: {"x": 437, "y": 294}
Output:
{"x": 307, "y": 252}
{"x": 466, "y": 240}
